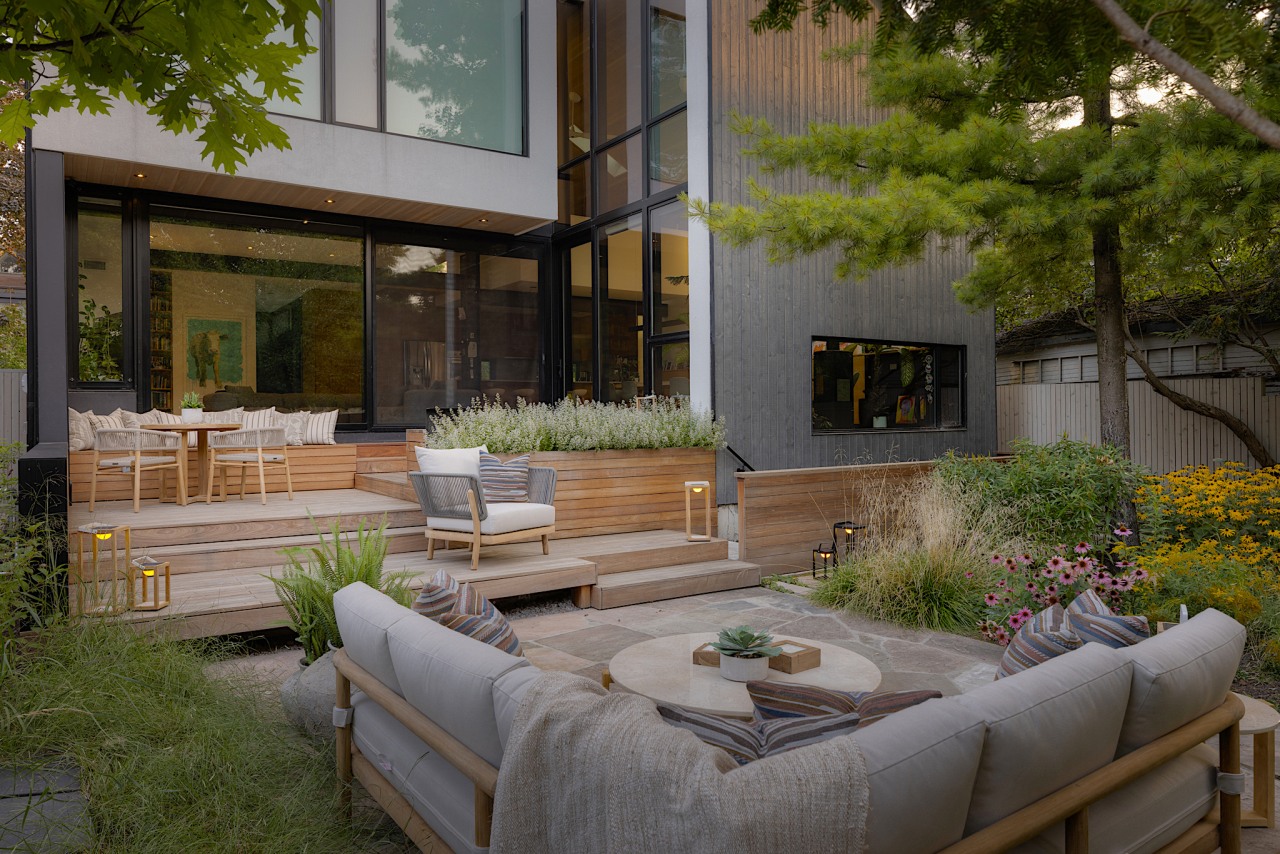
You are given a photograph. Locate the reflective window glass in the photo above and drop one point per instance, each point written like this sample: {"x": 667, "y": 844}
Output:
{"x": 619, "y": 65}
{"x": 622, "y": 309}
{"x": 669, "y": 236}
{"x": 307, "y": 72}
{"x": 575, "y": 193}
{"x": 575, "y": 265}
{"x": 667, "y": 76}
{"x": 355, "y": 61}
{"x": 574, "y": 85}
{"x": 669, "y": 153}
{"x": 863, "y": 385}
{"x": 455, "y": 71}
{"x": 100, "y": 291}
{"x": 671, "y": 369}
{"x": 621, "y": 175}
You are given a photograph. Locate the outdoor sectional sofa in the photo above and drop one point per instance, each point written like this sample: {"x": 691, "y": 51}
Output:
{"x": 1101, "y": 745}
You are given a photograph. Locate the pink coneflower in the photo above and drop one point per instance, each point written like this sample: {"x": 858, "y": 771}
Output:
{"x": 1002, "y": 637}
{"x": 1122, "y": 583}
{"x": 1056, "y": 563}
{"x": 1060, "y": 547}
{"x": 1084, "y": 564}
{"x": 1024, "y": 558}
{"x": 1025, "y": 614}
{"x": 1100, "y": 589}
{"x": 1140, "y": 574}
{"x": 1047, "y": 573}
{"x": 1015, "y": 622}
{"x": 1038, "y": 598}
{"x": 1051, "y": 589}
{"x": 1006, "y": 599}
{"x": 991, "y": 599}
{"x": 1011, "y": 564}
{"x": 1122, "y": 531}
{"x": 1082, "y": 548}
{"x": 1067, "y": 577}
{"x": 996, "y": 559}
{"x": 1031, "y": 587}
{"x": 968, "y": 575}
{"x": 1053, "y": 600}
{"x": 1123, "y": 564}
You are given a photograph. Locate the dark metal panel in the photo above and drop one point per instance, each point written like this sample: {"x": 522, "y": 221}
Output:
{"x": 765, "y": 315}
{"x": 47, "y": 345}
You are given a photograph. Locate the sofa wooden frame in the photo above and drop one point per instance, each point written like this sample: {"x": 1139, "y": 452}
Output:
{"x": 1220, "y": 829}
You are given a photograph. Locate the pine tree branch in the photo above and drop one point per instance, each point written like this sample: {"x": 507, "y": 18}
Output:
{"x": 1222, "y": 100}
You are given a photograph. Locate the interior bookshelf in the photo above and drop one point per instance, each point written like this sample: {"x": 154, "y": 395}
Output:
{"x": 162, "y": 341}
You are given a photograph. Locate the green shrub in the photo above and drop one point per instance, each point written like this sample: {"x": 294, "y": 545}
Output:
{"x": 1066, "y": 492}
{"x": 307, "y": 584}
{"x": 171, "y": 759}
{"x": 570, "y": 425}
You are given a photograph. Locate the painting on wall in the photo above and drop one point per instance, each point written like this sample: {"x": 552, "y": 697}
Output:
{"x": 215, "y": 352}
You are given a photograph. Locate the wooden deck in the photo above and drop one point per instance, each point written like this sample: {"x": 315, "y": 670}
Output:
{"x": 220, "y": 555}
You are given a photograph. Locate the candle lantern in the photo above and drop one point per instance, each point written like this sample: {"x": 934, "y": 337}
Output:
{"x": 151, "y": 572}
{"x": 849, "y": 531}
{"x": 824, "y": 555}
{"x": 103, "y": 553}
{"x": 700, "y": 488}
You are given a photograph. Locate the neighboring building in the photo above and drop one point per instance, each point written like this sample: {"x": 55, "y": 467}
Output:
{"x": 1047, "y": 376}
{"x": 510, "y": 228}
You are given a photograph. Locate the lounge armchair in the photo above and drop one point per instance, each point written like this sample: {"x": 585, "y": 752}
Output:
{"x": 456, "y": 511}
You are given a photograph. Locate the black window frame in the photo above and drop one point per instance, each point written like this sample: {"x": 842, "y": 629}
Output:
{"x": 129, "y": 303}
{"x": 960, "y": 350}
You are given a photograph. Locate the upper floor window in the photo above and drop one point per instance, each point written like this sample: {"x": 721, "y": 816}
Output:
{"x": 874, "y": 385}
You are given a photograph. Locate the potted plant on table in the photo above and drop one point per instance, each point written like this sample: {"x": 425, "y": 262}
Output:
{"x": 745, "y": 653}
{"x": 192, "y": 408}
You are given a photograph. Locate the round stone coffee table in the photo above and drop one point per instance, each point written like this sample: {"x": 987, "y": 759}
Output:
{"x": 662, "y": 669}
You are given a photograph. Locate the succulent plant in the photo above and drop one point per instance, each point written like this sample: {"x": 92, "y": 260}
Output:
{"x": 745, "y": 642}
{"x": 191, "y": 400}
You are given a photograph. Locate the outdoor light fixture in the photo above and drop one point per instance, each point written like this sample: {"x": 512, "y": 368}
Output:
{"x": 849, "y": 530}
{"x": 151, "y": 571}
{"x": 103, "y": 571}
{"x": 826, "y": 554}
{"x": 702, "y": 488}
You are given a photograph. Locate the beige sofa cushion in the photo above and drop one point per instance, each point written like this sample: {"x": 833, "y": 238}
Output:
{"x": 1046, "y": 727}
{"x": 502, "y": 519}
{"x": 364, "y": 615}
{"x": 454, "y": 680}
{"x": 924, "y": 757}
{"x": 1179, "y": 675}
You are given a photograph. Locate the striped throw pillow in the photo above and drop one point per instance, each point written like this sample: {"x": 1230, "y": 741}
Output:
{"x": 495, "y": 630}
{"x": 877, "y": 705}
{"x": 1090, "y": 618}
{"x": 224, "y": 416}
{"x": 438, "y": 597}
{"x": 748, "y": 741}
{"x": 1046, "y": 635}
{"x": 776, "y": 700}
{"x": 507, "y": 481}
{"x": 260, "y": 419}
{"x": 320, "y": 427}
{"x": 105, "y": 422}
{"x": 80, "y": 430}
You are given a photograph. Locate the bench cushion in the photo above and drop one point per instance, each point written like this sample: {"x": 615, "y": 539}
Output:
{"x": 1179, "y": 675}
{"x": 1046, "y": 727}
{"x": 502, "y": 519}
{"x": 364, "y": 615}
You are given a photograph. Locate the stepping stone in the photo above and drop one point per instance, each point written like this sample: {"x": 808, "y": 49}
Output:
{"x": 43, "y": 810}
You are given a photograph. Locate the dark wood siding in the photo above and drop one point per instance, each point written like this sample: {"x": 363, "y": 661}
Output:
{"x": 765, "y": 315}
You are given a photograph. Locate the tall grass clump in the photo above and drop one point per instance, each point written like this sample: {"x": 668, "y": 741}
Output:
{"x": 572, "y": 425}
{"x": 925, "y": 559}
{"x": 1065, "y": 492}
{"x": 312, "y": 575}
{"x": 171, "y": 759}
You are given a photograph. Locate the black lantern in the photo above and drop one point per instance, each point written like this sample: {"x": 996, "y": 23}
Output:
{"x": 826, "y": 554}
{"x": 848, "y": 530}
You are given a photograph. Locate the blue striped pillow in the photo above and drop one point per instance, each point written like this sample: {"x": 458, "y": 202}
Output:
{"x": 439, "y": 596}
{"x": 746, "y": 741}
{"x": 1090, "y": 618}
{"x": 1046, "y": 635}
{"x": 495, "y": 630}
{"x": 507, "y": 481}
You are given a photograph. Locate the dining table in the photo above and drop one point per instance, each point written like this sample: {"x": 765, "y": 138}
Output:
{"x": 201, "y": 431}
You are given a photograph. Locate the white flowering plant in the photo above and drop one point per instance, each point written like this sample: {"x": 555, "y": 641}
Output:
{"x": 572, "y": 425}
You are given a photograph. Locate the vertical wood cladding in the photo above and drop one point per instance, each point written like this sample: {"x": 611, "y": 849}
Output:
{"x": 765, "y": 315}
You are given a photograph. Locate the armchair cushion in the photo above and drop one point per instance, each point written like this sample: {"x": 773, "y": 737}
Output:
{"x": 503, "y": 518}
{"x": 507, "y": 481}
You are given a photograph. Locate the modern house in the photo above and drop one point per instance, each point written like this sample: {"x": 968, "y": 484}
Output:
{"x": 1047, "y": 386}
{"x": 504, "y": 220}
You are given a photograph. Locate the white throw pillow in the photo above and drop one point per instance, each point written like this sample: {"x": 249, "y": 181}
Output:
{"x": 260, "y": 419}
{"x": 450, "y": 460}
{"x": 128, "y": 418}
{"x": 158, "y": 416}
{"x": 79, "y": 430}
{"x": 225, "y": 416}
{"x": 320, "y": 427}
{"x": 295, "y": 426}
{"x": 105, "y": 422}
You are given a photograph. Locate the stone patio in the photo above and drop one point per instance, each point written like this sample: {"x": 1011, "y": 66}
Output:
{"x": 583, "y": 641}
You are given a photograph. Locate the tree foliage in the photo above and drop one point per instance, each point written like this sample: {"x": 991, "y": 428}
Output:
{"x": 985, "y": 149}
{"x": 205, "y": 67}
{"x": 13, "y": 336}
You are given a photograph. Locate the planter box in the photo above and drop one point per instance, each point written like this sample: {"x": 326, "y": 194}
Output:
{"x": 614, "y": 492}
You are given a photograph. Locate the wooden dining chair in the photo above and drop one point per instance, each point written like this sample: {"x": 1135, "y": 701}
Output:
{"x": 131, "y": 451}
{"x": 261, "y": 448}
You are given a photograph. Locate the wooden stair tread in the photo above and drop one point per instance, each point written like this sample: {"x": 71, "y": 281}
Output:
{"x": 665, "y": 573}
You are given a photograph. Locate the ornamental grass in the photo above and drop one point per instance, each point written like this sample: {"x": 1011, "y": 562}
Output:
{"x": 573, "y": 425}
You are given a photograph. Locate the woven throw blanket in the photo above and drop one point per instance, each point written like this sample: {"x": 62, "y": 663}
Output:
{"x": 590, "y": 771}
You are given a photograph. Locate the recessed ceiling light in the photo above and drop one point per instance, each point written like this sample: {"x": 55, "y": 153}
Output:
{"x": 139, "y": 174}
{"x": 484, "y": 219}
{"x": 328, "y": 201}
{"x": 250, "y": 247}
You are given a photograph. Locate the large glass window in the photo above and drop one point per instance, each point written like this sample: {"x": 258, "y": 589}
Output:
{"x": 667, "y": 75}
{"x": 575, "y": 193}
{"x": 575, "y": 266}
{"x": 455, "y": 71}
{"x": 256, "y": 316}
{"x": 355, "y": 62}
{"x": 669, "y": 241}
{"x": 619, "y": 66}
{"x": 100, "y": 291}
{"x": 869, "y": 385}
{"x": 622, "y": 178}
{"x": 574, "y": 78}
{"x": 308, "y": 72}
{"x": 453, "y": 326}
{"x": 622, "y": 308}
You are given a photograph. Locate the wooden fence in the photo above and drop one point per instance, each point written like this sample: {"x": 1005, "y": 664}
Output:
{"x": 1163, "y": 437}
{"x": 13, "y": 407}
{"x": 784, "y": 515}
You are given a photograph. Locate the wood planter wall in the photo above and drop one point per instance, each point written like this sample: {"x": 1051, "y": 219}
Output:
{"x": 613, "y": 492}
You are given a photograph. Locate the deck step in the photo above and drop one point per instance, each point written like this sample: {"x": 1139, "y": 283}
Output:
{"x": 265, "y": 551}
{"x": 671, "y": 582}
{"x": 390, "y": 484}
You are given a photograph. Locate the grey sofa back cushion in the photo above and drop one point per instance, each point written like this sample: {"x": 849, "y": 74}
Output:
{"x": 1046, "y": 727}
{"x": 455, "y": 681}
{"x": 923, "y": 758}
{"x": 1179, "y": 675}
{"x": 364, "y": 615}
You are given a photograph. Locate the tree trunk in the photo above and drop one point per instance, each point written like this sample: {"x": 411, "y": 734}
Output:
{"x": 1251, "y": 441}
